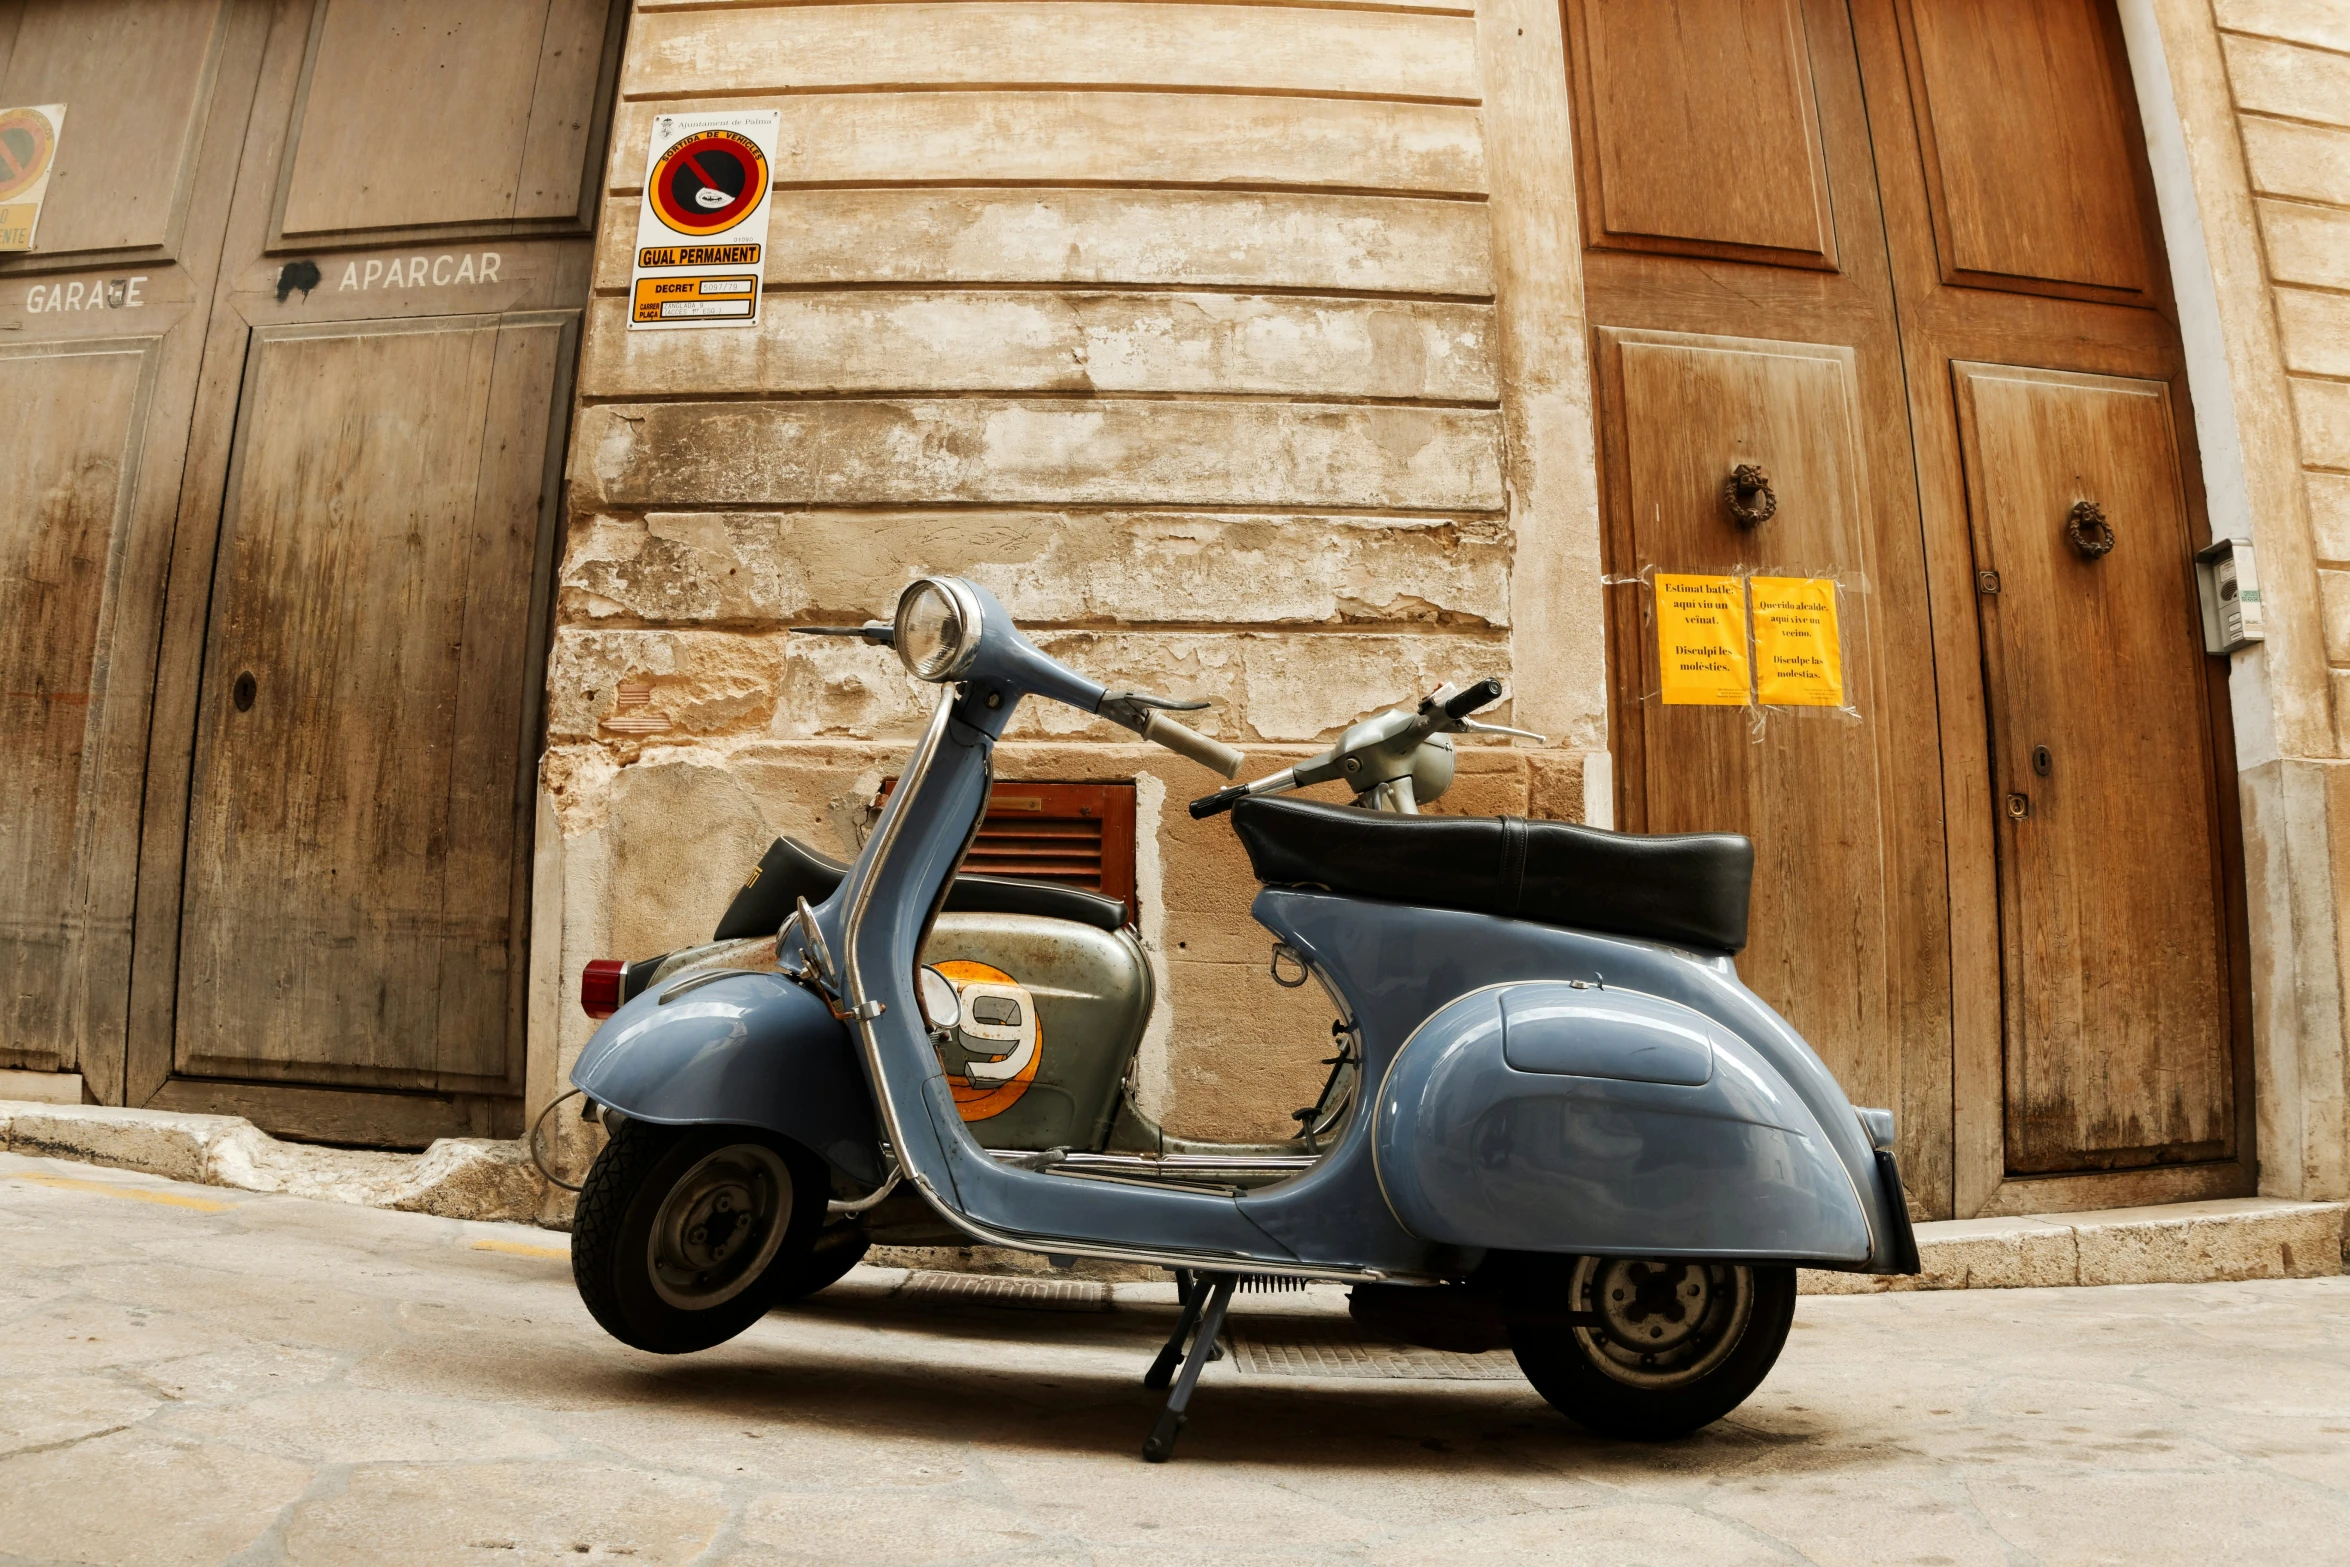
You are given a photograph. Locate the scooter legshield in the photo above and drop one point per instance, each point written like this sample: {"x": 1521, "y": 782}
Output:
{"x": 748, "y": 1049}
{"x": 1569, "y": 1118}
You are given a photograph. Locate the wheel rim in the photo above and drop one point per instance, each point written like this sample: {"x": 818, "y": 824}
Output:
{"x": 720, "y": 1227}
{"x": 1661, "y": 1324}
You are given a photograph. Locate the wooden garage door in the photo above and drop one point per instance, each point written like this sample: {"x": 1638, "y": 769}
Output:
{"x": 354, "y": 698}
{"x": 1902, "y": 255}
{"x": 101, "y": 338}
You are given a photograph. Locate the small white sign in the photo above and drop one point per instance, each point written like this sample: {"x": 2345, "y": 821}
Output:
{"x": 28, "y": 150}
{"x": 701, "y": 231}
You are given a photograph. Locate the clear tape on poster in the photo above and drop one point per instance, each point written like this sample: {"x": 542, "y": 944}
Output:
{"x": 1768, "y": 640}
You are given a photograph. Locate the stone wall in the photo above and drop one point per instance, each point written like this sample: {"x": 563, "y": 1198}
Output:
{"x": 1183, "y": 328}
{"x": 2249, "y": 121}
{"x": 2288, "y": 68}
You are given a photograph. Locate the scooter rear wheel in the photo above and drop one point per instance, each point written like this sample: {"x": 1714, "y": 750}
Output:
{"x": 1656, "y": 1349}
{"x": 683, "y": 1233}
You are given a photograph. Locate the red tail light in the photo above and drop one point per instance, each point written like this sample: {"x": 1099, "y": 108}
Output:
{"x": 600, "y": 986}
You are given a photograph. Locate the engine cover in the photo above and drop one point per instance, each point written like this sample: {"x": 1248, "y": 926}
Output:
{"x": 1556, "y": 1117}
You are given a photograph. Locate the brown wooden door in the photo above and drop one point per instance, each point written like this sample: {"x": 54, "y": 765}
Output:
{"x": 101, "y": 335}
{"x": 2098, "y": 950}
{"x": 1737, "y": 276}
{"x": 1902, "y": 254}
{"x": 353, "y": 709}
{"x": 2113, "y": 889}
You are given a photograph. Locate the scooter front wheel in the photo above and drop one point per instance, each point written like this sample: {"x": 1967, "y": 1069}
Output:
{"x": 682, "y": 1232}
{"x": 1647, "y": 1350}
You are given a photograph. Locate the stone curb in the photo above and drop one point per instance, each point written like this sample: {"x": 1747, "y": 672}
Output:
{"x": 2181, "y": 1243}
{"x": 455, "y": 1178}
{"x": 478, "y": 1178}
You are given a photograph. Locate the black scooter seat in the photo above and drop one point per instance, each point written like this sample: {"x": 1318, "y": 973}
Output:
{"x": 1688, "y": 889}
{"x": 790, "y": 871}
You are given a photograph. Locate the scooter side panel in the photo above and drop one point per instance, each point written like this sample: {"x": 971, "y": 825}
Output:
{"x": 1398, "y": 964}
{"x": 1643, "y": 1128}
{"x": 752, "y": 1049}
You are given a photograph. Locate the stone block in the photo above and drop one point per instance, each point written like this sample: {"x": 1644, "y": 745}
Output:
{"x": 2322, "y": 410}
{"x": 2329, "y": 512}
{"x": 1025, "y": 341}
{"x": 766, "y": 569}
{"x": 2306, "y": 162}
{"x": 157, "y": 1142}
{"x": 460, "y": 1178}
{"x": 2273, "y": 77}
{"x": 2315, "y": 329}
{"x": 2334, "y": 595}
{"x": 2306, "y": 244}
{"x": 2199, "y": 1242}
{"x": 1969, "y": 1254}
{"x": 1108, "y": 237}
{"x": 2177, "y": 1243}
{"x": 2320, "y": 22}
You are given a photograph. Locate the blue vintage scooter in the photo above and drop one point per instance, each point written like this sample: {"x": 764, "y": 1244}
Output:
{"x": 1556, "y": 1122}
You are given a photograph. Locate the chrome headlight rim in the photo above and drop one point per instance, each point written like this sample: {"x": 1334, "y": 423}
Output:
{"x": 956, "y": 660}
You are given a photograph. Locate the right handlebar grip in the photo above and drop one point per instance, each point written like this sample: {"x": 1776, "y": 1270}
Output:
{"x": 1212, "y": 754}
{"x": 1217, "y": 804}
{"x": 1477, "y": 696}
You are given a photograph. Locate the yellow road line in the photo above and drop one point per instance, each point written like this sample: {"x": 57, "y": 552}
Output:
{"x": 135, "y": 1193}
{"x": 518, "y": 1249}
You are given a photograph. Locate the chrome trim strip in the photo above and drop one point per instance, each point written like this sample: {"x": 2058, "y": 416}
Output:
{"x": 710, "y": 977}
{"x": 1170, "y": 1164}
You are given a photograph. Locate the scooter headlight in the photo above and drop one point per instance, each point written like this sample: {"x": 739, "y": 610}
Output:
{"x": 937, "y": 631}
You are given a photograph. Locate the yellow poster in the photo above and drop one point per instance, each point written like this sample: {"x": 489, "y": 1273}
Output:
{"x": 1701, "y": 640}
{"x": 1798, "y": 661}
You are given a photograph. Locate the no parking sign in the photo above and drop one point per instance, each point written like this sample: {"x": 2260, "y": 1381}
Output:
{"x": 701, "y": 232}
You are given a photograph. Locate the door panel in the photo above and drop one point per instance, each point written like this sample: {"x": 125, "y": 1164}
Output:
{"x": 1711, "y": 354}
{"x": 1811, "y": 791}
{"x": 2118, "y": 1016}
{"x": 353, "y": 850}
{"x": 419, "y": 114}
{"x": 343, "y": 952}
{"x": 2026, "y": 139}
{"x": 133, "y": 75}
{"x": 68, "y": 456}
{"x": 1742, "y": 170}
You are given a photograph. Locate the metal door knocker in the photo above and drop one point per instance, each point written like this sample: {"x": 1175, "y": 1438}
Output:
{"x": 1747, "y": 492}
{"x": 2090, "y": 533}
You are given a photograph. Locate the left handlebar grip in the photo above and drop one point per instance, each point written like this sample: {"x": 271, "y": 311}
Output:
{"x": 1217, "y": 804}
{"x": 1479, "y": 695}
{"x": 1215, "y": 755}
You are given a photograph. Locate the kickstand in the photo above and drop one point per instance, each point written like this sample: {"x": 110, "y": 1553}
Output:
{"x": 1191, "y": 1294}
{"x": 1205, "y": 1299}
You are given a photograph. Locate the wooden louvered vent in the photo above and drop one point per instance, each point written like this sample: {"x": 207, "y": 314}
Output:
{"x": 1081, "y": 835}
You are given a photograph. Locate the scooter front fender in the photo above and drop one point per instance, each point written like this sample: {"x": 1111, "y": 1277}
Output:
{"x": 1557, "y": 1117}
{"x": 748, "y": 1048}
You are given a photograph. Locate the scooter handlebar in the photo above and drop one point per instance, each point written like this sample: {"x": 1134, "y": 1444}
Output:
{"x": 1159, "y": 729}
{"x": 1217, "y": 804}
{"x": 1479, "y": 695}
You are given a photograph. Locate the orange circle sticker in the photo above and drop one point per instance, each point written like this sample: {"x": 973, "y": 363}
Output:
{"x": 27, "y": 142}
{"x": 997, "y": 1045}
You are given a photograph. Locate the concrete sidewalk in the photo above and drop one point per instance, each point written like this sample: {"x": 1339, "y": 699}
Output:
{"x": 195, "y": 1375}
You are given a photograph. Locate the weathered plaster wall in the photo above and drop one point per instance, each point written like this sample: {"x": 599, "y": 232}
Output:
{"x": 1194, "y": 331}
{"x": 2261, "y": 106}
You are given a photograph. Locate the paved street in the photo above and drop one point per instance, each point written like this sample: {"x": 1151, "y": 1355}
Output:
{"x": 194, "y": 1375}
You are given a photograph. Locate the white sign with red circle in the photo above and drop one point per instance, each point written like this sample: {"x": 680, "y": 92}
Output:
{"x": 28, "y": 146}
{"x": 701, "y": 231}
